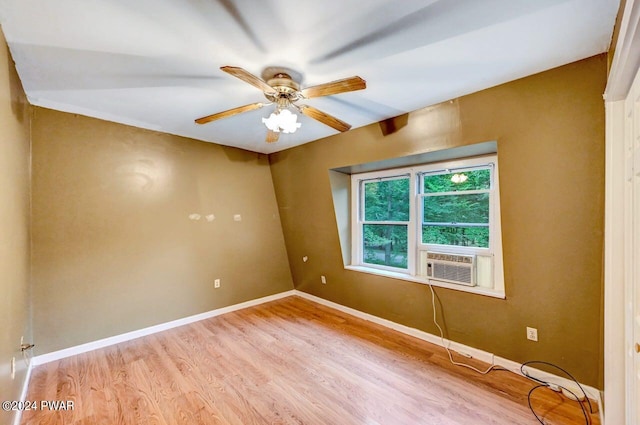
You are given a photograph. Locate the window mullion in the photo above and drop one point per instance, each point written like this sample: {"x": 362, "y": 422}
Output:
{"x": 397, "y": 223}
{"x": 454, "y": 224}
{"x": 458, "y": 192}
{"x": 412, "y": 230}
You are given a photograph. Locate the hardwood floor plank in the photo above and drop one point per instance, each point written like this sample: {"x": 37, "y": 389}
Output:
{"x": 288, "y": 362}
{"x": 214, "y": 387}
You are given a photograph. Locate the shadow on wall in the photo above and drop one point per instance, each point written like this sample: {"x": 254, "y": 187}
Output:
{"x": 18, "y": 100}
{"x": 239, "y": 155}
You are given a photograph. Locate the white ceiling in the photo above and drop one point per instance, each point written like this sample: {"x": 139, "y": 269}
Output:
{"x": 155, "y": 63}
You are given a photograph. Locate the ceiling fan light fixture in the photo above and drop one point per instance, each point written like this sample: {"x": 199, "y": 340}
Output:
{"x": 281, "y": 86}
{"x": 282, "y": 121}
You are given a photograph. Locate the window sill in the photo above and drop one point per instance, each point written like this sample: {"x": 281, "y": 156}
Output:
{"x": 402, "y": 276}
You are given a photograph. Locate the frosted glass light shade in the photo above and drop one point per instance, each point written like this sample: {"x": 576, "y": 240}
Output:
{"x": 283, "y": 121}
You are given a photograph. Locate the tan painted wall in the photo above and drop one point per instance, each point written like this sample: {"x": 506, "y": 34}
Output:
{"x": 550, "y": 133}
{"x": 15, "y": 318}
{"x": 113, "y": 247}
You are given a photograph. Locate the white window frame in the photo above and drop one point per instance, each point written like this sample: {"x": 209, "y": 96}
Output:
{"x": 414, "y": 231}
{"x": 453, "y": 167}
{"x": 357, "y": 251}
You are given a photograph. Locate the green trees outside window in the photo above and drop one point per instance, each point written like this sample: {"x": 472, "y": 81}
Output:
{"x": 456, "y": 208}
{"x": 386, "y": 216}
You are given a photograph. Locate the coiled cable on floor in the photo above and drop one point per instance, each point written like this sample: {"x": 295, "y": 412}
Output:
{"x": 545, "y": 384}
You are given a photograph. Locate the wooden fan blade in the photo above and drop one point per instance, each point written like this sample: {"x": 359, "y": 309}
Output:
{"x": 335, "y": 87}
{"x": 248, "y": 77}
{"x": 229, "y": 113}
{"x": 272, "y": 136}
{"x": 324, "y": 118}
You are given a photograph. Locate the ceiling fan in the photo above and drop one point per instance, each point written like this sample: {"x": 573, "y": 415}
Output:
{"x": 281, "y": 86}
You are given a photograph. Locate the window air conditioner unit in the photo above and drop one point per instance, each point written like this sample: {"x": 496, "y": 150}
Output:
{"x": 453, "y": 268}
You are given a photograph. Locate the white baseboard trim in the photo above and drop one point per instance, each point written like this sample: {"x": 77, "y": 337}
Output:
{"x": 17, "y": 417}
{"x": 490, "y": 358}
{"x": 105, "y": 342}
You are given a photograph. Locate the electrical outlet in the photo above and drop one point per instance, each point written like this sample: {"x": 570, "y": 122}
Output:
{"x": 216, "y": 283}
{"x": 13, "y": 368}
{"x": 323, "y": 280}
{"x": 532, "y": 334}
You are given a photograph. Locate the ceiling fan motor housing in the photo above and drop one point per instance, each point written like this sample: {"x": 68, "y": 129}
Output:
{"x": 286, "y": 89}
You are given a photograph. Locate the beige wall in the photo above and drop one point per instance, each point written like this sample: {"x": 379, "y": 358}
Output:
{"x": 113, "y": 247}
{"x": 14, "y": 227}
{"x": 550, "y": 133}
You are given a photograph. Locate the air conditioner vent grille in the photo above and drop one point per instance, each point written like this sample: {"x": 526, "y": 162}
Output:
{"x": 454, "y": 268}
{"x": 452, "y": 273}
{"x": 440, "y": 256}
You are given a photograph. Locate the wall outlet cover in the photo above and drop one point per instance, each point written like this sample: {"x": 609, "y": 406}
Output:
{"x": 532, "y": 334}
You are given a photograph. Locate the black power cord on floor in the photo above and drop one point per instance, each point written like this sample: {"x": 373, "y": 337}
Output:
{"x": 545, "y": 384}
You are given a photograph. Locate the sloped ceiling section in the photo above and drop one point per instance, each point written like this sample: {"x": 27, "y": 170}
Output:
{"x": 155, "y": 63}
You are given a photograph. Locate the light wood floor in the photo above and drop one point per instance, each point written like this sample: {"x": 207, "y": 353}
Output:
{"x": 290, "y": 361}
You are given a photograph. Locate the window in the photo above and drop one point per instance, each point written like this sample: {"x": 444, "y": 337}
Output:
{"x": 437, "y": 223}
{"x": 385, "y": 221}
{"x": 456, "y": 207}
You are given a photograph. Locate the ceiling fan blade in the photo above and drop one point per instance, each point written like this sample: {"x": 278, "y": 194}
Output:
{"x": 335, "y": 87}
{"x": 272, "y": 136}
{"x": 248, "y": 77}
{"x": 324, "y": 118}
{"x": 229, "y": 113}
